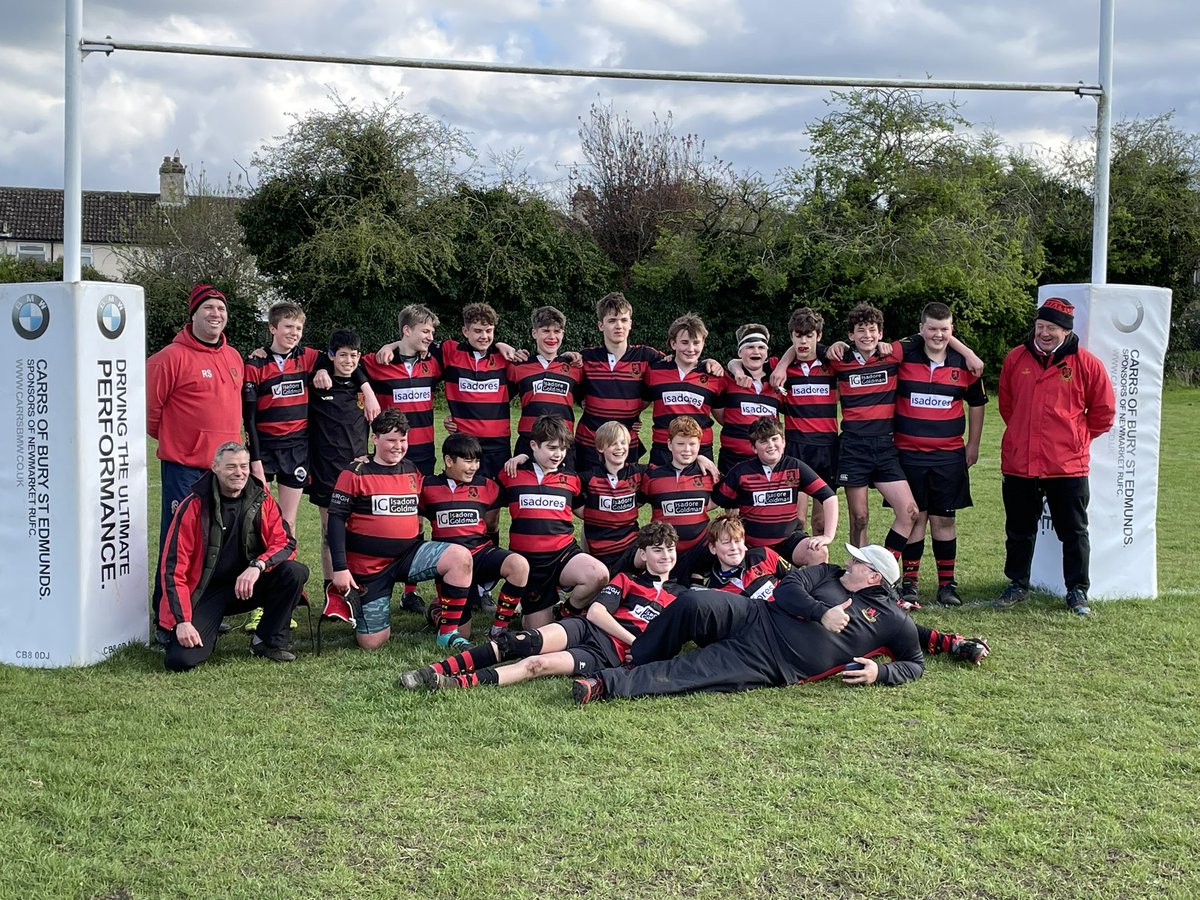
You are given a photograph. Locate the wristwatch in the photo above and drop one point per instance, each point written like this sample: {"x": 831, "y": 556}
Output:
{"x": 259, "y": 564}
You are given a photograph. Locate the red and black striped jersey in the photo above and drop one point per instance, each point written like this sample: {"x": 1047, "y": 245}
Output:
{"x": 544, "y": 388}
{"x": 681, "y": 498}
{"x": 929, "y": 404}
{"x": 278, "y": 387}
{"x": 457, "y": 512}
{"x": 407, "y": 385}
{"x": 671, "y": 394}
{"x": 743, "y": 406}
{"x": 476, "y": 390}
{"x": 374, "y": 516}
{"x": 756, "y": 577}
{"x": 540, "y": 508}
{"x": 769, "y": 503}
{"x": 612, "y": 389}
{"x": 810, "y": 402}
{"x": 610, "y": 510}
{"x": 635, "y": 601}
{"x": 867, "y": 391}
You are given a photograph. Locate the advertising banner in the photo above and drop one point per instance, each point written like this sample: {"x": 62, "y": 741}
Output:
{"x": 1126, "y": 326}
{"x": 73, "y": 476}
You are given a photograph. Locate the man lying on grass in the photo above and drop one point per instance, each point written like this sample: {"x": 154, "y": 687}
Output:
{"x": 755, "y": 573}
{"x": 579, "y": 645}
{"x": 822, "y": 621}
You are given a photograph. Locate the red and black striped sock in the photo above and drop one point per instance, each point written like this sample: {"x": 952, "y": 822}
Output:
{"x": 940, "y": 642}
{"x": 896, "y": 542}
{"x": 944, "y": 553}
{"x": 469, "y": 660}
{"x": 506, "y": 603}
{"x": 913, "y": 551}
{"x": 410, "y": 588}
{"x": 475, "y": 679}
{"x": 453, "y": 601}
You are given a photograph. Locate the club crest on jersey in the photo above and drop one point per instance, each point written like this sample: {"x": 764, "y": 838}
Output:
{"x": 871, "y": 614}
{"x": 954, "y": 375}
{"x": 412, "y": 481}
{"x": 697, "y": 481}
{"x": 473, "y": 492}
{"x": 1066, "y": 373}
{"x": 636, "y": 369}
{"x": 703, "y": 378}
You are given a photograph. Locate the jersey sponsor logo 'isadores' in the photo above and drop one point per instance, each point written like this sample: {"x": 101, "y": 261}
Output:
{"x": 682, "y": 398}
{"x": 758, "y": 410}
{"x": 868, "y": 379}
{"x": 411, "y": 395}
{"x": 772, "y": 498}
{"x": 479, "y": 386}
{"x": 542, "y": 501}
{"x": 551, "y": 386}
{"x": 683, "y": 507}
{"x": 810, "y": 390}
{"x": 392, "y": 505}
{"x": 765, "y": 592}
{"x": 287, "y": 389}
{"x": 457, "y": 518}
{"x": 618, "y": 504}
{"x": 931, "y": 401}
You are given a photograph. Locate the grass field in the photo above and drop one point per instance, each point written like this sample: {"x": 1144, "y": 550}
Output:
{"x": 1066, "y": 766}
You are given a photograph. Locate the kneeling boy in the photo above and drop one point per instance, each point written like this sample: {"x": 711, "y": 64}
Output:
{"x": 375, "y": 539}
{"x": 542, "y": 498}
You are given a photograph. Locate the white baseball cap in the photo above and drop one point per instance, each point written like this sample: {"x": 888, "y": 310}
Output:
{"x": 878, "y": 558}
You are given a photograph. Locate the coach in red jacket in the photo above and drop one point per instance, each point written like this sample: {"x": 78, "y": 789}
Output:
{"x": 193, "y": 400}
{"x": 1055, "y": 399}
{"x": 228, "y": 550}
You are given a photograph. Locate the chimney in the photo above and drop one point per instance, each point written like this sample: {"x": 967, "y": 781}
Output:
{"x": 171, "y": 184}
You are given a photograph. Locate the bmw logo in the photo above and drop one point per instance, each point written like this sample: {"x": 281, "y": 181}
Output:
{"x": 110, "y": 316}
{"x": 31, "y": 316}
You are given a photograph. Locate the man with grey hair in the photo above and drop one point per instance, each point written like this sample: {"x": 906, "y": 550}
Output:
{"x": 227, "y": 550}
{"x": 821, "y": 621}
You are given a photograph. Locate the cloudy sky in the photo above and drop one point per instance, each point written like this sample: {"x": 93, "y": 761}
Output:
{"x": 217, "y": 112}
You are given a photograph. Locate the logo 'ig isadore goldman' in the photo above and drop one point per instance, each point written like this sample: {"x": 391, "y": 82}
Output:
{"x": 30, "y": 316}
{"x": 110, "y": 316}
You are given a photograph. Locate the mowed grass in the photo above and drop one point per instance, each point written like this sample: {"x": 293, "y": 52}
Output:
{"x": 1065, "y": 767}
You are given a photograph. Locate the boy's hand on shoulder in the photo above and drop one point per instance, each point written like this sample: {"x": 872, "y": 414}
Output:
{"x": 837, "y": 350}
{"x": 713, "y": 368}
{"x": 321, "y": 380}
{"x": 258, "y": 353}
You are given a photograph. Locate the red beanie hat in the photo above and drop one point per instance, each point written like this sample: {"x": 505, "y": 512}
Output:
{"x": 202, "y": 292}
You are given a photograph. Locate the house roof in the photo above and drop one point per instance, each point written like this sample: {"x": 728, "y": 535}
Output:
{"x": 36, "y": 214}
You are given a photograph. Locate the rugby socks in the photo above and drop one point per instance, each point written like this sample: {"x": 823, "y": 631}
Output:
{"x": 939, "y": 641}
{"x": 913, "y": 551}
{"x": 896, "y": 542}
{"x": 475, "y": 679}
{"x": 506, "y": 604}
{"x": 469, "y": 660}
{"x": 410, "y": 588}
{"x": 944, "y": 553}
{"x": 453, "y": 601}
